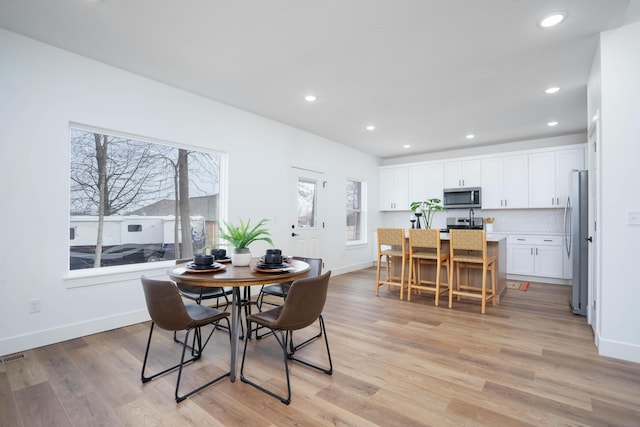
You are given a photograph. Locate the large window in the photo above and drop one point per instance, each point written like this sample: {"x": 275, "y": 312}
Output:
{"x": 356, "y": 223}
{"x": 136, "y": 201}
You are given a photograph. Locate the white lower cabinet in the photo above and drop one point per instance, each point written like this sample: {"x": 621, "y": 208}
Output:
{"x": 535, "y": 256}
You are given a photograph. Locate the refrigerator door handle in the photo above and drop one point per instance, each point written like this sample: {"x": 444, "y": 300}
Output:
{"x": 567, "y": 230}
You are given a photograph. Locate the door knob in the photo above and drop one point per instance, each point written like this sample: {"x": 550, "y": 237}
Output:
{"x": 589, "y": 239}
{"x": 294, "y": 234}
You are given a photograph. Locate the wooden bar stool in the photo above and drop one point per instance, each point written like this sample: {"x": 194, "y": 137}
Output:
{"x": 391, "y": 246}
{"x": 468, "y": 249}
{"x": 424, "y": 248}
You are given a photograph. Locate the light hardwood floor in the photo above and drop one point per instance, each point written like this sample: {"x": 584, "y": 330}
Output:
{"x": 527, "y": 362}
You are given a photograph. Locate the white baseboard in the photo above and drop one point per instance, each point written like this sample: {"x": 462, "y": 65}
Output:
{"x": 63, "y": 333}
{"x": 350, "y": 268}
{"x": 41, "y": 338}
{"x": 618, "y": 350}
{"x": 536, "y": 279}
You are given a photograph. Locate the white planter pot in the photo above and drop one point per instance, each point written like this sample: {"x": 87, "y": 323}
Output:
{"x": 241, "y": 257}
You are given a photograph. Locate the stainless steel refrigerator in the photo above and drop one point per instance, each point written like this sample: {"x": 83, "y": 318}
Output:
{"x": 576, "y": 236}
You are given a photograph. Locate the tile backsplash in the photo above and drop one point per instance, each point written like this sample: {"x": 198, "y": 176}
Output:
{"x": 507, "y": 220}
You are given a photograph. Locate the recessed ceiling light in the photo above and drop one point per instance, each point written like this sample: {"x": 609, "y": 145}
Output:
{"x": 310, "y": 98}
{"x": 552, "y": 20}
{"x": 406, "y": 146}
{"x": 552, "y": 124}
{"x": 551, "y": 90}
{"x": 470, "y": 136}
{"x": 370, "y": 127}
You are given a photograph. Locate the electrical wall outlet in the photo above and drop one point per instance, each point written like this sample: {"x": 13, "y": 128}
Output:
{"x": 633, "y": 217}
{"x": 34, "y": 305}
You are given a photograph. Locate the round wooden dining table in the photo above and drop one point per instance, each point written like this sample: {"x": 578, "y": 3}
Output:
{"x": 237, "y": 277}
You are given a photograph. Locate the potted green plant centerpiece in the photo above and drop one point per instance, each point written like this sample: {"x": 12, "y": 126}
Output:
{"x": 426, "y": 209}
{"x": 241, "y": 236}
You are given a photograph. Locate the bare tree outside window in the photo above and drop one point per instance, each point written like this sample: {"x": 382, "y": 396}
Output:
{"x": 307, "y": 200}
{"x": 168, "y": 195}
{"x": 355, "y": 214}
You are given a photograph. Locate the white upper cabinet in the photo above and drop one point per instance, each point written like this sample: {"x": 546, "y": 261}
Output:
{"x": 394, "y": 189}
{"x": 417, "y": 183}
{"x": 462, "y": 173}
{"x": 505, "y": 182}
{"x": 516, "y": 180}
{"x": 549, "y": 176}
{"x": 492, "y": 183}
{"x": 426, "y": 181}
{"x": 566, "y": 161}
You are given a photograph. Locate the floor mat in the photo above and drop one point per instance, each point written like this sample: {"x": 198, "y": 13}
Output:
{"x": 518, "y": 286}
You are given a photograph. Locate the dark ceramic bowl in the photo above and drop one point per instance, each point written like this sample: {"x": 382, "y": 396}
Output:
{"x": 219, "y": 253}
{"x": 273, "y": 259}
{"x": 203, "y": 260}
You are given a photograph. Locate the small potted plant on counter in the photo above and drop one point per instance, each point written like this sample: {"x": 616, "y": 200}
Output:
{"x": 426, "y": 209}
{"x": 241, "y": 236}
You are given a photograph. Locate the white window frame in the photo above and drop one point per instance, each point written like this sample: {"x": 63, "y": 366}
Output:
{"x": 362, "y": 211}
{"x": 120, "y": 273}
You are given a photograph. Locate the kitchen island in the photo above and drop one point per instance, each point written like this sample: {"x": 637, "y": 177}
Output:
{"x": 496, "y": 246}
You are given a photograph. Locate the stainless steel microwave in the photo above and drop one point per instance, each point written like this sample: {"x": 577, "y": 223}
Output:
{"x": 462, "y": 198}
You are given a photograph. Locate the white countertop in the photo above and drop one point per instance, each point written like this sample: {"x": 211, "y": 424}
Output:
{"x": 491, "y": 237}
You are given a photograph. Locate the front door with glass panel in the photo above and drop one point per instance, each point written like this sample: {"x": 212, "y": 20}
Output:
{"x": 307, "y": 224}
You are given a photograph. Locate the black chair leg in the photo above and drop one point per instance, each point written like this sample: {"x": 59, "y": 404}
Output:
{"x": 179, "y": 366}
{"x": 144, "y": 378}
{"x": 323, "y": 331}
{"x": 182, "y": 363}
{"x": 282, "y": 340}
{"x": 191, "y": 347}
{"x": 293, "y": 348}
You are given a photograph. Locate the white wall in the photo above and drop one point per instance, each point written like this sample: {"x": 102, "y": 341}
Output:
{"x": 619, "y": 317}
{"x": 43, "y": 89}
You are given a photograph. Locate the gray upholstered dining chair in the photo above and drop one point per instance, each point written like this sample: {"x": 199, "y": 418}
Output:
{"x": 200, "y": 293}
{"x": 302, "y": 307}
{"x": 168, "y": 312}
{"x": 280, "y": 290}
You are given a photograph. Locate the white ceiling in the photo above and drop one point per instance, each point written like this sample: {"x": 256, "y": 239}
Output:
{"x": 424, "y": 72}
